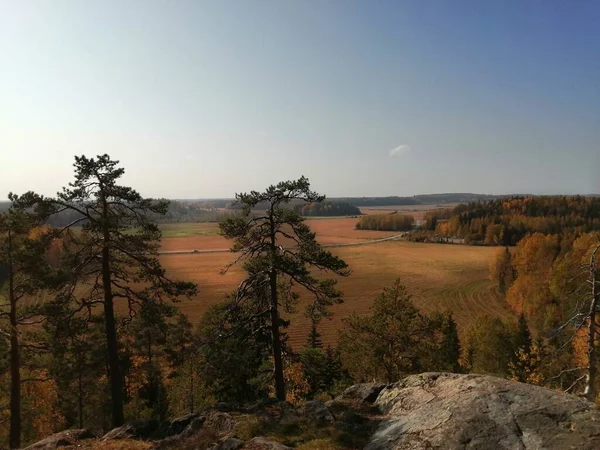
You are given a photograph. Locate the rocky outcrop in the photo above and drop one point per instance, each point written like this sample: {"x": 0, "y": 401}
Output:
{"x": 451, "y": 411}
{"x": 62, "y": 439}
{"x": 427, "y": 411}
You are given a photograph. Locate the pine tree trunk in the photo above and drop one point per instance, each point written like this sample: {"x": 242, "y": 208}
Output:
{"x": 116, "y": 389}
{"x": 590, "y": 387}
{"x": 279, "y": 380}
{"x": 15, "y": 358}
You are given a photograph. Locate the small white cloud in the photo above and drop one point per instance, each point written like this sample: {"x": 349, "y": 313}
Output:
{"x": 400, "y": 150}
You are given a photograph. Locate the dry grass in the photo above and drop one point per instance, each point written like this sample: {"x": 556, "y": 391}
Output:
{"x": 418, "y": 211}
{"x": 439, "y": 276}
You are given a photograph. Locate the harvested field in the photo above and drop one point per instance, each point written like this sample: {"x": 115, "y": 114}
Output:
{"x": 439, "y": 276}
{"x": 417, "y": 211}
{"x": 204, "y": 236}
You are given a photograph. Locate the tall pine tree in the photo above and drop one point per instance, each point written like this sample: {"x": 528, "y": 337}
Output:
{"x": 278, "y": 251}
{"x": 114, "y": 254}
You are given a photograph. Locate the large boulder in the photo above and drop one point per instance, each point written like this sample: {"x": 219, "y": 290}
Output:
{"x": 62, "y": 439}
{"x": 451, "y": 411}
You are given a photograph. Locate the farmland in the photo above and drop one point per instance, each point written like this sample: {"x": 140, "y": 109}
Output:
{"x": 439, "y": 276}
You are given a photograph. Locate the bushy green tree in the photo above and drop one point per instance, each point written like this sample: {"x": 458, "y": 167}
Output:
{"x": 445, "y": 353}
{"x": 322, "y": 370}
{"x": 489, "y": 346}
{"x": 391, "y": 342}
{"x": 234, "y": 343}
{"x": 76, "y": 361}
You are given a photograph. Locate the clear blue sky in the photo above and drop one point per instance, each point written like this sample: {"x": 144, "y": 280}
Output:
{"x": 204, "y": 99}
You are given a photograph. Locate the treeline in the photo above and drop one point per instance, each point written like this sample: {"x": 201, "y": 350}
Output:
{"x": 177, "y": 212}
{"x": 327, "y": 209}
{"x": 385, "y": 222}
{"x": 423, "y": 199}
{"x": 379, "y": 201}
{"x": 507, "y": 221}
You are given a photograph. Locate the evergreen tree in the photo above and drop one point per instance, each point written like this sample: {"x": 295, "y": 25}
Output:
{"x": 314, "y": 338}
{"x": 488, "y": 347}
{"x": 76, "y": 362}
{"x": 114, "y": 253}
{"x": 25, "y": 272}
{"x": 391, "y": 342}
{"x": 234, "y": 343}
{"x": 273, "y": 272}
{"x": 446, "y": 355}
{"x": 148, "y": 342}
{"x": 523, "y": 335}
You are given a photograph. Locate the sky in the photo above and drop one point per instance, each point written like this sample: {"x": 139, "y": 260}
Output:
{"x": 203, "y": 99}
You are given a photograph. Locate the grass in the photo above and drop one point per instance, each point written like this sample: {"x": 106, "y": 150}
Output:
{"x": 175, "y": 230}
{"x": 440, "y": 277}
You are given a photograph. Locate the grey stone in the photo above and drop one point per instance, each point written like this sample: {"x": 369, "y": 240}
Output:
{"x": 451, "y": 411}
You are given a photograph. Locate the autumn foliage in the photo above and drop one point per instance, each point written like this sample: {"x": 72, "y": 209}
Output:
{"x": 507, "y": 221}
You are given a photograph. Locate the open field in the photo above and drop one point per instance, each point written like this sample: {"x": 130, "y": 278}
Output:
{"x": 418, "y": 211}
{"x": 204, "y": 236}
{"x": 439, "y": 276}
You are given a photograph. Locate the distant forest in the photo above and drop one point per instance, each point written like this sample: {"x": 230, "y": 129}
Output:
{"x": 425, "y": 199}
{"x": 506, "y": 221}
{"x": 327, "y": 209}
{"x": 177, "y": 212}
{"x": 386, "y": 222}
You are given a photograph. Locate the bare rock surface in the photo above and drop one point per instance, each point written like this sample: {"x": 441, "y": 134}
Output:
{"x": 452, "y": 411}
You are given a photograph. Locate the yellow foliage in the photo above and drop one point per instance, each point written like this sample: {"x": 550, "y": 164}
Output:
{"x": 296, "y": 385}
{"x": 527, "y": 368}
